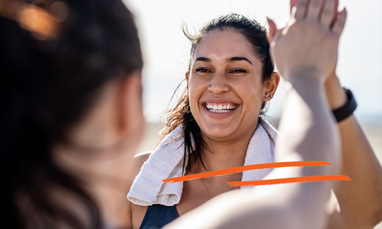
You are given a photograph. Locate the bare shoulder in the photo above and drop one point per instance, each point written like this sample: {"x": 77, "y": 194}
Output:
{"x": 137, "y": 212}
{"x": 138, "y": 161}
{"x": 142, "y": 157}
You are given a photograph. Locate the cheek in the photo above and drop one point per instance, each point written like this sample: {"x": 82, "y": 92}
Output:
{"x": 252, "y": 94}
{"x": 195, "y": 90}
{"x": 196, "y": 87}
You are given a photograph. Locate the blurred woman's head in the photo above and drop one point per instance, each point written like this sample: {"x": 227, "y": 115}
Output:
{"x": 69, "y": 77}
{"x": 229, "y": 80}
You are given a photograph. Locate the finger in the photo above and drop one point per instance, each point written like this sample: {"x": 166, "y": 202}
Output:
{"x": 272, "y": 30}
{"x": 336, "y": 13}
{"x": 292, "y": 4}
{"x": 336, "y": 3}
{"x": 336, "y": 16}
{"x": 300, "y": 9}
{"x": 339, "y": 25}
{"x": 314, "y": 10}
{"x": 328, "y": 13}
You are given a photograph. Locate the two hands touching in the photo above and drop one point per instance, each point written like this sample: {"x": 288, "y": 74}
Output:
{"x": 312, "y": 22}
{"x": 311, "y": 39}
{"x": 325, "y": 24}
{"x": 307, "y": 50}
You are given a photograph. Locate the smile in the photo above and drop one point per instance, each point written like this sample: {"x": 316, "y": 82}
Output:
{"x": 220, "y": 107}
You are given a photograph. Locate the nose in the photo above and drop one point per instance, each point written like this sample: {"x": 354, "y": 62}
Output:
{"x": 218, "y": 84}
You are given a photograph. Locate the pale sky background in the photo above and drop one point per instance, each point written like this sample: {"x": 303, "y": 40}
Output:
{"x": 166, "y": 50}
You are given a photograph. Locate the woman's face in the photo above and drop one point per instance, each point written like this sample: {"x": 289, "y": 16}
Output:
{"x": 225, "y": 85}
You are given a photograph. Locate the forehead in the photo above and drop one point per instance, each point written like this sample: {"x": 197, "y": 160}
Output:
{"x": 225, "y": 44}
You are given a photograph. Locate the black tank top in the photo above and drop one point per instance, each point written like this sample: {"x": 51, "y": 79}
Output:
{"x": 157, "y": 216}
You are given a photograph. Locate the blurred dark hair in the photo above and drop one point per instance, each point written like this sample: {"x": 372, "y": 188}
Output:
{"x": 47, "y": 84}
{"x": 180, "y": 114}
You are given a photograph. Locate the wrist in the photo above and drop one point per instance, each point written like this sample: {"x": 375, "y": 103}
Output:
{"x": 297, "y": 75}
{"x": 335, "y": 94}
{"x": 305, "y": 86}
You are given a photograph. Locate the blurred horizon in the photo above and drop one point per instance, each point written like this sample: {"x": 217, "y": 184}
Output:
{"x": 166, "y": 50}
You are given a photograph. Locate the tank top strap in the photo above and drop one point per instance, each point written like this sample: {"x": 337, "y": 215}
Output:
{"x": 157, "y": 216}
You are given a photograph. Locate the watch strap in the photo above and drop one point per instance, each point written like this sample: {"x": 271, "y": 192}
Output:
{"x": 347, "y": 109}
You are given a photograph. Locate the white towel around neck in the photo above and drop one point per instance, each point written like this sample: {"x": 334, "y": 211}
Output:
{"x": 166, "y": 161}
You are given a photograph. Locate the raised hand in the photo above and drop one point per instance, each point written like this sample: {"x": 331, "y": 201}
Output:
{"x": 336, "y": 4}
{"x": 333, "y": 75}
{"x": 309, "y": 42}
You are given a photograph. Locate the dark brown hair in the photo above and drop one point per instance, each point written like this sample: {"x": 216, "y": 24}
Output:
{"x": 180, "y": 115}
{"x": 46, "y": 86}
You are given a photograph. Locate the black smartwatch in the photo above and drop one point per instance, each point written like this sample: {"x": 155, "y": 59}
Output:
{"x": 347, "y": 109}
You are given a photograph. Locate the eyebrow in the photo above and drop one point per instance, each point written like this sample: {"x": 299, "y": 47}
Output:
{"x": 236, "y": 58}
{"x": 204, "y": 59}
{"x": 239, "y": 58}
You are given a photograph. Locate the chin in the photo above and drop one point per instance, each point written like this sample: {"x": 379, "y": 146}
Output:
{"x": 217, "y": 131}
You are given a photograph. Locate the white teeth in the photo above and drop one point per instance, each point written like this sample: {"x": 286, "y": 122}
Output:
{"x": 220, "y": 108}
{"x": 220, "y": 111}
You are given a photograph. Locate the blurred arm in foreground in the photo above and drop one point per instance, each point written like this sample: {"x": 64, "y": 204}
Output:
{"x": 308, "y": 132}
{"x": 359, "y": 202}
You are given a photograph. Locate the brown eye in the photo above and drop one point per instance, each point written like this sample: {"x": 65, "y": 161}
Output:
{"x": 238, "y": 70}
{"x": 202, "y": 70}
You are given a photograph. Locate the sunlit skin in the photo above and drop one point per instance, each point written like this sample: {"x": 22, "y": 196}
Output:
{"x": 226, "y": 71}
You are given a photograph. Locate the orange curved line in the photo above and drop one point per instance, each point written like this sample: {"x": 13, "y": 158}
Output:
{"x": 288, "y": 180}
{"x": 246, "y": 168}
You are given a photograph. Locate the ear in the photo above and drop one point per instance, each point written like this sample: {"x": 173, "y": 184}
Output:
{"x": 129, "y": 107}
{"x": 270, "y": 86}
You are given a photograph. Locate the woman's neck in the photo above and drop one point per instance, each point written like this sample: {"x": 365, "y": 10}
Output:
{"x": 227, "y": 153}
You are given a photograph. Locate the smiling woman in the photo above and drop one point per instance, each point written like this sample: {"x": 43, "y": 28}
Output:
{"x": 229, "y": 65}
{"x": 227, "y": 77}
{"x": 216, "y": 124}
{"x": 216, "y": 120}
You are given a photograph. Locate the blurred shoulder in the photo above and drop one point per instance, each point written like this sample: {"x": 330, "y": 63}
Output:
{"x": 141, "y": 158}
{"x": 138, "y": 161}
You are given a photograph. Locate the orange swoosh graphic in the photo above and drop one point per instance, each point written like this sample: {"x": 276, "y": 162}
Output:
{"x": 246, "y": 168}
{"x": 289, "y": 180}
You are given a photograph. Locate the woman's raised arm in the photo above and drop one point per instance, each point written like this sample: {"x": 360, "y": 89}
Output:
{"x": 305, "y": 52}
{"x": 359, "y": 163}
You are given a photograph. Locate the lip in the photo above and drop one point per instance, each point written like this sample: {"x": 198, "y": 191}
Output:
{"x": 215, "y": 115}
